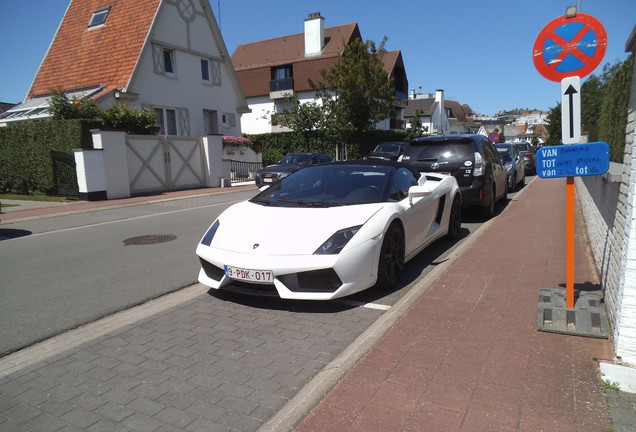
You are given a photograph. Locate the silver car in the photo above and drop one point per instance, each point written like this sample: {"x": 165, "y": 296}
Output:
{"x": 515, "y": 165}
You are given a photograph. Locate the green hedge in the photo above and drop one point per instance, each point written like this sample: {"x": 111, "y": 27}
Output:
{"x": 276, "y": 145}
{"x": 614, "y": 110}
{"x": 25, "y": 152}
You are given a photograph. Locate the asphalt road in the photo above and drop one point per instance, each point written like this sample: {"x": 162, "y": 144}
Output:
{"x": 61, "y": 272}
{"x": 58, "y": 273}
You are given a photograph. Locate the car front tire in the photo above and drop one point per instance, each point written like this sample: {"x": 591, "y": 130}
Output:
{"x": 455, "y": 219}
{"x": 391, "y": 262}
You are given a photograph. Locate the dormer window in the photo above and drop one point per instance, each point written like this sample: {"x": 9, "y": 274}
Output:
{"x": 99, "y": 17}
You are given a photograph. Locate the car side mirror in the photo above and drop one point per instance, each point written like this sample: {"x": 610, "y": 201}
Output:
{"x": 418, "y": 192}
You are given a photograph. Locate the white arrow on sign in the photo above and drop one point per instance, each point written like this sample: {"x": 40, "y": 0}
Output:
{"x": 571, "y": 110}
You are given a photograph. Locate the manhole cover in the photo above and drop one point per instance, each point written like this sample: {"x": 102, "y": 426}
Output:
{"x": 149, "y": 239}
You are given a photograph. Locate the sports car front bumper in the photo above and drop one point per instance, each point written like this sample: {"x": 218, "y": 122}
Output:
{"x": 303, "y": 277}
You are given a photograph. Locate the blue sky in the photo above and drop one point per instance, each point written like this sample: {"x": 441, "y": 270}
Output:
{"x": 478, "y": 52}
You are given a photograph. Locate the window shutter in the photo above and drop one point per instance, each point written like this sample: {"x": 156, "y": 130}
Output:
{"x": 184, "y": 122}
{"x": 215, "y": 67}
{"x": 157, "y": 59}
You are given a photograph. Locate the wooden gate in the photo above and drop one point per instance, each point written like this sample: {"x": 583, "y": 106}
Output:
{"x": 162, "y": 163}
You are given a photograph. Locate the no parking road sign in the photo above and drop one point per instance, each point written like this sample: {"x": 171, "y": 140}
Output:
{"x": 569, "y": 47}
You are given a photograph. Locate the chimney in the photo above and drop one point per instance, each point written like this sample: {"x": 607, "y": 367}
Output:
{"x": 314, "y": 34}
{"x": 439, "y": 98}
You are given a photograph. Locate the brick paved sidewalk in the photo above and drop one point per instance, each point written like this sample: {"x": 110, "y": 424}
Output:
{"x": 468, "y": 357}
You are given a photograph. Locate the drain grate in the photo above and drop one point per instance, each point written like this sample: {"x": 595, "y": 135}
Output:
{"x": 149, "y": 239}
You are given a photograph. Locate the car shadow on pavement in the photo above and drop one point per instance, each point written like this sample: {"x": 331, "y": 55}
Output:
{"x": 7, "y": 234}
{"x": 277, "y": 303}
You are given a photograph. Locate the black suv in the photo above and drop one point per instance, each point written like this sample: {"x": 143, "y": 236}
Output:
{"x": 387, "y": 151}
{"x": 471, "y": 159}
{"x": 287, "y": 165}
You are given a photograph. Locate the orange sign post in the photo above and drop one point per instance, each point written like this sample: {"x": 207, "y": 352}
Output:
{"x": 569, "y": 243}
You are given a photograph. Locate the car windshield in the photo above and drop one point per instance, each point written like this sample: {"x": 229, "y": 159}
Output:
{"x": 388, "y": 148}
{"x": 294, "y": 159}
{"x": 446, "y": 150}
{"x": 328, "y": 186}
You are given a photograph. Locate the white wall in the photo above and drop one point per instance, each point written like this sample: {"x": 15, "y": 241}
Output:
{"x": 608, "y": 203}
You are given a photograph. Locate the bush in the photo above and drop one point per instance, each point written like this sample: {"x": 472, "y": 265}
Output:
{"x": 25, "y": 153}
{"x": 133, "y": 121}
{"x": 276, "y": 145}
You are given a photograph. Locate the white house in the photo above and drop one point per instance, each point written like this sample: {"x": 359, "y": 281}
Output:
{"x": 269, "y": 70}
{"x": 432, "y": 112}
{"x": 167, "y": 56}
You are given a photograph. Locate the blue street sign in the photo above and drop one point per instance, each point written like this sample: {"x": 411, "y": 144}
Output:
{"x": 573, "y": 160}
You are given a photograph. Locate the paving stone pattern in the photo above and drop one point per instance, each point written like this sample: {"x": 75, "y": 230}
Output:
{"x": 210, "y": 364}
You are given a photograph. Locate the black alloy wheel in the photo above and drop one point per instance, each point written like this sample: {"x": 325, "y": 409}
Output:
{"x": 455, "y": 219}
{"x": 391, "y": 262}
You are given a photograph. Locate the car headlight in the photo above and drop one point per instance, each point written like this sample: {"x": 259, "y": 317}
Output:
{"x": 337, "y": 242}
{"x": 509, "y": 166}
{"x": 283, "y": 174}
{"x": 209, "y": 235}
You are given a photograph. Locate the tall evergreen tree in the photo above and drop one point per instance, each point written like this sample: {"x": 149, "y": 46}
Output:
{"x": 356, "y": 93}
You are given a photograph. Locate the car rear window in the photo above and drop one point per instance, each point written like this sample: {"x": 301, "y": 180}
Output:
{"x": 447, "y": 150}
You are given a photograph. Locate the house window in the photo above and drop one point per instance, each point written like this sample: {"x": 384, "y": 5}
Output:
{"x": 211, "y": 121}
{"x": 167, "y": 121}
{"x": 99, "y": 17}
{"x": 282, "y": 72}
{"x": 168, "y": 61}
{"x": 205, "y": 71}
{"x": 228, "y": 120}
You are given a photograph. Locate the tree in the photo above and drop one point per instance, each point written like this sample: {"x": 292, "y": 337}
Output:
{"x": 301, "y": 117}
{"x": 416, "y": 129}
{"x": 356, "y": 92}
{"x": 554, "y": 126}
{"x": 502, "y": 137}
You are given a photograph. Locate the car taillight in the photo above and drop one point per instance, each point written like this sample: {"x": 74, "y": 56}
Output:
{"x": 527, "y": 156}
{"x": 479, "y": 165}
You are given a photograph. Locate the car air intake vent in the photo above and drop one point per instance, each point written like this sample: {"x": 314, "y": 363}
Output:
{"x": 325, "y": 280}
{"x": 212, "y": 271}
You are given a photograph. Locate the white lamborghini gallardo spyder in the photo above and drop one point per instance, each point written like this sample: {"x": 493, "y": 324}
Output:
{"x": 329, "y": 231}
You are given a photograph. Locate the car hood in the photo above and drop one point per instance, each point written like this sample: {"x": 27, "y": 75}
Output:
{"x": 281, "y": 168}
{"x": 264, "y": 230}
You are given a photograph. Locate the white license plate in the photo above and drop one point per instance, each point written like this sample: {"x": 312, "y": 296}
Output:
{"x": 267, "y": 180}
{"x": 249, "y": 275}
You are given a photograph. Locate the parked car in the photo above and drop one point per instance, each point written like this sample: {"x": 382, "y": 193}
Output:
{"x": 287, "y": 165}
{"x": 514, "y": 163}
{"x": 332, "y": 230}
{"x": 387, "y": 151}
{"x": 528, "y": 154}
{"x": 471, "y": 159}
